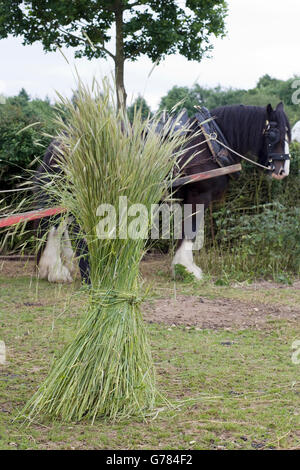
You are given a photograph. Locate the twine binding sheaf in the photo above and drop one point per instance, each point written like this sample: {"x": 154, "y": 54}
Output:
{"x": 106, "y": 298}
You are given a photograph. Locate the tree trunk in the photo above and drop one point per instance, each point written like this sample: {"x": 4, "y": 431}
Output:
{"x": 119, "y": 57}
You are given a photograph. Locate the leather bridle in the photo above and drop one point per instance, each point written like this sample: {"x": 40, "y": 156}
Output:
{"x": 272, "y": 138}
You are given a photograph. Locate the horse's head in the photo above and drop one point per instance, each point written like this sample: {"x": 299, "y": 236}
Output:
{"x": 277, "y": 137}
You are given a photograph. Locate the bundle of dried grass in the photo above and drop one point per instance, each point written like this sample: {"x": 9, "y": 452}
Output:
{"x": 107, "y": 369}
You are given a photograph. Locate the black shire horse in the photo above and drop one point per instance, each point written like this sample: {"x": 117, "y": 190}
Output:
{"x": 262, "y": 132}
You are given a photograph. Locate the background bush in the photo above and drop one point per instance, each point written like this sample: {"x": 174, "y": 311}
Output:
{"x": 267, "y": 90}
{"x": 18, "y": 150}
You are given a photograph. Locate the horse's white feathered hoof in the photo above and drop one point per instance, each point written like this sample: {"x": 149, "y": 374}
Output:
{"x": 43, "y": 270}
{"x": 51, "y": 266}
{"x": 197, "y": 272}
{"x": 184, "y": 257}
{"x": 59, "y": 273}
{"x": 194, "y": 270}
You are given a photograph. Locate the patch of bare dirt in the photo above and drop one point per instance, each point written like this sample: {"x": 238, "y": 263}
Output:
{"x": 217, "y": 313}
{"x": 17, "y": 268}
{"x": 296, "y": 285}
{"x": 191, "y": 310}
{"x": 152, "y": 263}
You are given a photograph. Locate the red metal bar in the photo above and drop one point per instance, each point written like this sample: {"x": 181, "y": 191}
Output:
{"x": 32, "y": 215}
{"x": 205, "y": 175}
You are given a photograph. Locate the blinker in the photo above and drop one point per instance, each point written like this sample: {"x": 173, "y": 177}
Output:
{"x": 272, "y": 136}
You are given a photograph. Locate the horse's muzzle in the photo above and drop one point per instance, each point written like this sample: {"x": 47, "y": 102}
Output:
{"x": 280, "y": 169}
{"x": 280, "y": 176}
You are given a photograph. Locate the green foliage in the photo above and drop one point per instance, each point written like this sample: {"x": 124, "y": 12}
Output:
{"x": 181, "y": 274}
{"x": 178, "y": 98}
{"x": 266, "y": 243}
{"x": 141, "y": 105}
{"x": 281, "y": 90}
{"x": 189, "y": 98}
{"x": 19, "y": 148}
{"x": 254, "y": 188}
{"x": 267, "y": 90}
{"x": 150, "y": 27}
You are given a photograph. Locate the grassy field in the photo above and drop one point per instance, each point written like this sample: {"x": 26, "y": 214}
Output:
{"x": 223, "y": 357}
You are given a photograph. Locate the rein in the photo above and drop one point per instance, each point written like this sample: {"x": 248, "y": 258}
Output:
{"x": 213, "y": 136}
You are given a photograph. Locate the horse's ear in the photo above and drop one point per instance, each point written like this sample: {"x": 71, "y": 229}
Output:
{"x": 280, "y": 106}
{"x": 269, "y": 110}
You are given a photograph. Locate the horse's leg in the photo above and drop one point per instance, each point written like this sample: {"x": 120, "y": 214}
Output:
{"x": 184, "y": 257}
{"x": 41, "y": 227}
{"x": 82, "y": 254}
{"x": 67, "y": 253}
{"x": 50, "y": 265}
{"x": 42, "y": 260}
{"x": 184, "y": 252}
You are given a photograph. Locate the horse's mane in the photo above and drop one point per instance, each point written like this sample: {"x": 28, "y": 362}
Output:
{"x": 243, "y": 125}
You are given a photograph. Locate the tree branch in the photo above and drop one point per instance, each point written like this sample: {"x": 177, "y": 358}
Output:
{"x": 97, "y": 46}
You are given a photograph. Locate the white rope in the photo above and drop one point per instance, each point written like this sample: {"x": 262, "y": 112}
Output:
{"x": 214, "y": 137}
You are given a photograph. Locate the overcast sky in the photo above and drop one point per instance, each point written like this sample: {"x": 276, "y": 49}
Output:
{"x": 263, "y": 37}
